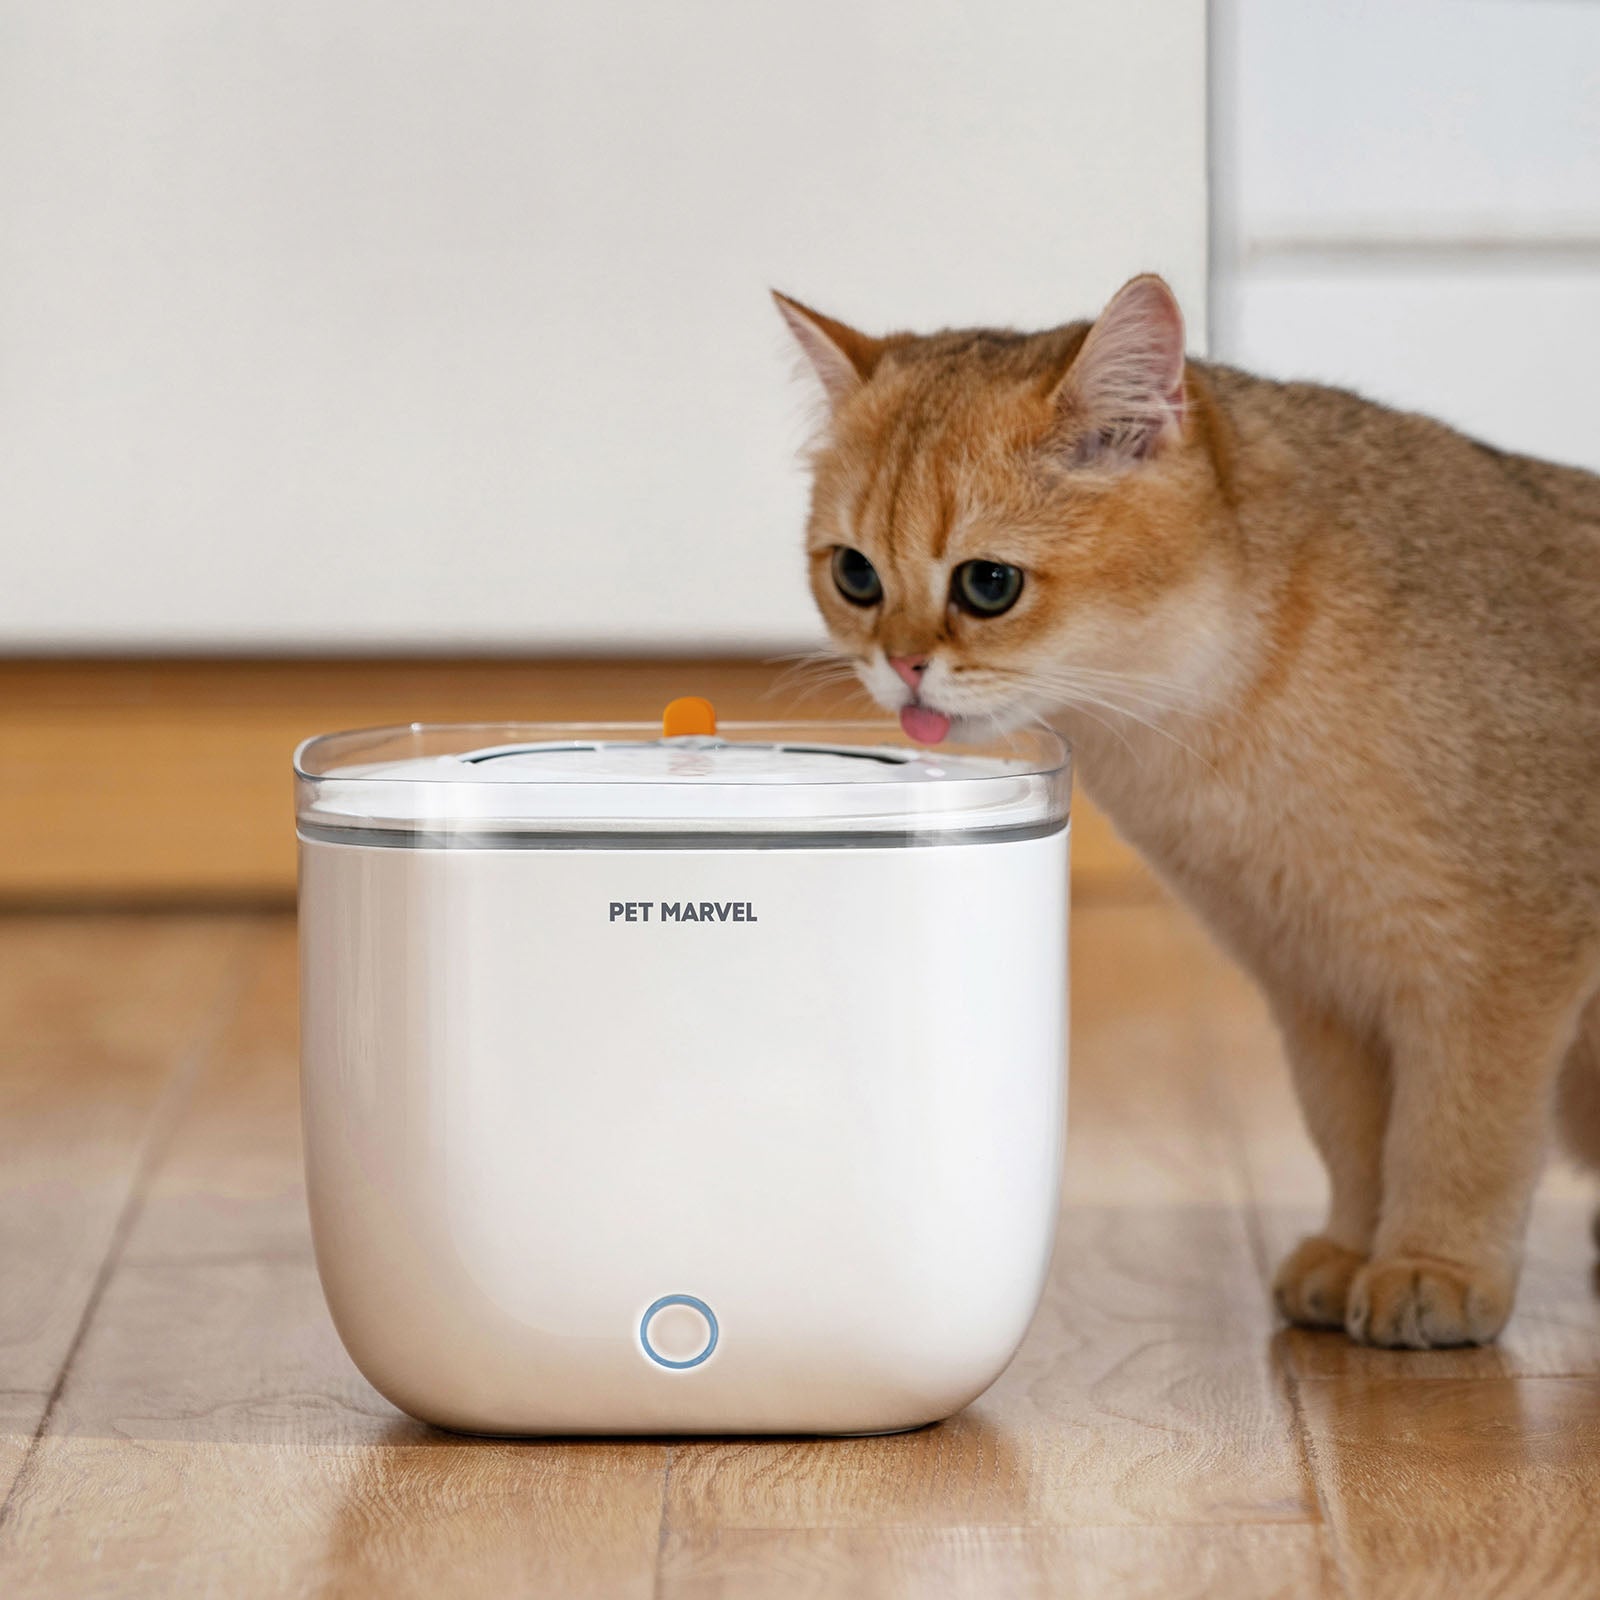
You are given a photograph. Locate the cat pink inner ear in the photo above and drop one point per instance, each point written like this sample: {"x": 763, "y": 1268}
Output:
{"x": 841, "y": 357}
{"x": 1123, "y": 395}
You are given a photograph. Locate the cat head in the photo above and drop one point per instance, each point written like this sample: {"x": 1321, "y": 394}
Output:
{"x": 1005, "y": 525}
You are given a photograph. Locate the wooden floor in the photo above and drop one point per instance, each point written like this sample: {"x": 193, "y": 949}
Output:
{"x": 177, "y": 1417}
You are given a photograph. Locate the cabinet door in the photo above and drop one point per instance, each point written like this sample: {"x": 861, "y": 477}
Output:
{"x": 1409, "y": 205}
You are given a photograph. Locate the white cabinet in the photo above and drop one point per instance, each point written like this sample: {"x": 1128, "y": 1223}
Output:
{"x": 345, "y": 324}
{"x": 1408, "y": 203}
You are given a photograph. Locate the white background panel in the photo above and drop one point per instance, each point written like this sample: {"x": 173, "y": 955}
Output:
{"x": 380, "y": 323}
{"x": 1408, "y": 204}
{"x": 1508, "y": 356}
{"x": 1414, "y": 118}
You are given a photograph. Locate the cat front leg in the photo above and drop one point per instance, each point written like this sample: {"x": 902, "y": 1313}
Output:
{"x": 1472, "y": 1085}
{"x": 1342, "y": 1083}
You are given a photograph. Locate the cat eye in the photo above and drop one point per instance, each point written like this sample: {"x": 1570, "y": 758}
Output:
{"x": 856, "y": 578}
{"x": 985, "y": 588}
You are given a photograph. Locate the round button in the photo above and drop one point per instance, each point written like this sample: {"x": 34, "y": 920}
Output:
{"x": 678, "y": 1331}
{"x": 688, "y": 716}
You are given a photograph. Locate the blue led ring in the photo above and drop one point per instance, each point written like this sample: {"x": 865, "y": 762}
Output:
{"x": 678, "y": 1300}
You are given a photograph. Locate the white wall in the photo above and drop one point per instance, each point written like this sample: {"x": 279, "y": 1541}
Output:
{"x": 343, "y": 324}
{"x": 1408, "y": 203}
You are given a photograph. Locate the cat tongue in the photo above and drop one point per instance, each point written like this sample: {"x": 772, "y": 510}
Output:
{"x": 923, "y": 725}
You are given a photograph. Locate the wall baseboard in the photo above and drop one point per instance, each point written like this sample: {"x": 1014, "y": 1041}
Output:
{"x": 144, "y": 782}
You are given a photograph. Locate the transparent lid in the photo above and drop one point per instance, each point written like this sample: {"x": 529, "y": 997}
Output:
{"x": 555, "y": 785}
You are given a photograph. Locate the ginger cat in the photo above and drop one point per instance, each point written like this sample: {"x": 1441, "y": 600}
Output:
{"x": 1333, "y": 669}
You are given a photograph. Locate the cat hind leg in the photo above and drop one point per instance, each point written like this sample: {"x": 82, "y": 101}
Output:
{"x": 1474, "y": 1073}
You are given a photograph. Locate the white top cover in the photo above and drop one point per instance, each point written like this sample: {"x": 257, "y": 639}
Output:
{"x": 555, "y": 785}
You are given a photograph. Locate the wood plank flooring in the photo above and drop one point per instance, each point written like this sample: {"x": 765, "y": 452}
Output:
{"x": 177, "y": 1417}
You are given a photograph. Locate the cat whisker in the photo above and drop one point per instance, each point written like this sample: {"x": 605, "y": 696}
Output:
{"x": 796, "y": 659}
{"x": 802, "y": 657}
{"x": 1153, "y": 703}
{"x": 1150, "y": 679}
{"x": 1135, "y": 687}
{"x": 800, "y": 694}
{"x": 1080, "y": 696}
{"x": 1111, "y": 728}
{"x": 815, "y": 669}
{"x": 1077, "y": 702}
{"x": 1166, "y": 733}
{"x": 1112, "y": 688}
{"x": 1154, "y": 727}
{"x": 811, "y": 670}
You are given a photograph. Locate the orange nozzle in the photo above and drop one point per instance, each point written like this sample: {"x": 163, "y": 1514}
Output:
{"x": 689, "y": 715}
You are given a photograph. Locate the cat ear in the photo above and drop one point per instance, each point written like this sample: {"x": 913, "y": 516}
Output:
{"x": 1122, "y": 398}
{"x": 842, "y": 358}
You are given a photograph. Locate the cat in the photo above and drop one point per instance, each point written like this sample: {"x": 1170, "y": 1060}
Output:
{"x": 1333, "y": 669}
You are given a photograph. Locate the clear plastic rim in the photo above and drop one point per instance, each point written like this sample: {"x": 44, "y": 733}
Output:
{"x": 420, "y": 785}
{"x": 321, "y": 756}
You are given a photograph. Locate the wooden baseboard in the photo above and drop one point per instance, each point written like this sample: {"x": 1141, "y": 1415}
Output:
{"x": 137, "y": 782}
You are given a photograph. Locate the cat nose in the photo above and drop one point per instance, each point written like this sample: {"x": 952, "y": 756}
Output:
{"x": 909, "y": 669}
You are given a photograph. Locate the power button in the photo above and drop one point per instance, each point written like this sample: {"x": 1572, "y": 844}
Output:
{"x": 678, "y": 1331}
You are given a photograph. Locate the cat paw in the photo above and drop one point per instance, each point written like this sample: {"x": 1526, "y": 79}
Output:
{"x": 1421, "y": 1303}
{"x": 1312, "y": 1285}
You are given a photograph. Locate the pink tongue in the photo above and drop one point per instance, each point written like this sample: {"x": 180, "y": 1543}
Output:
{"x": 923, "y": 725}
